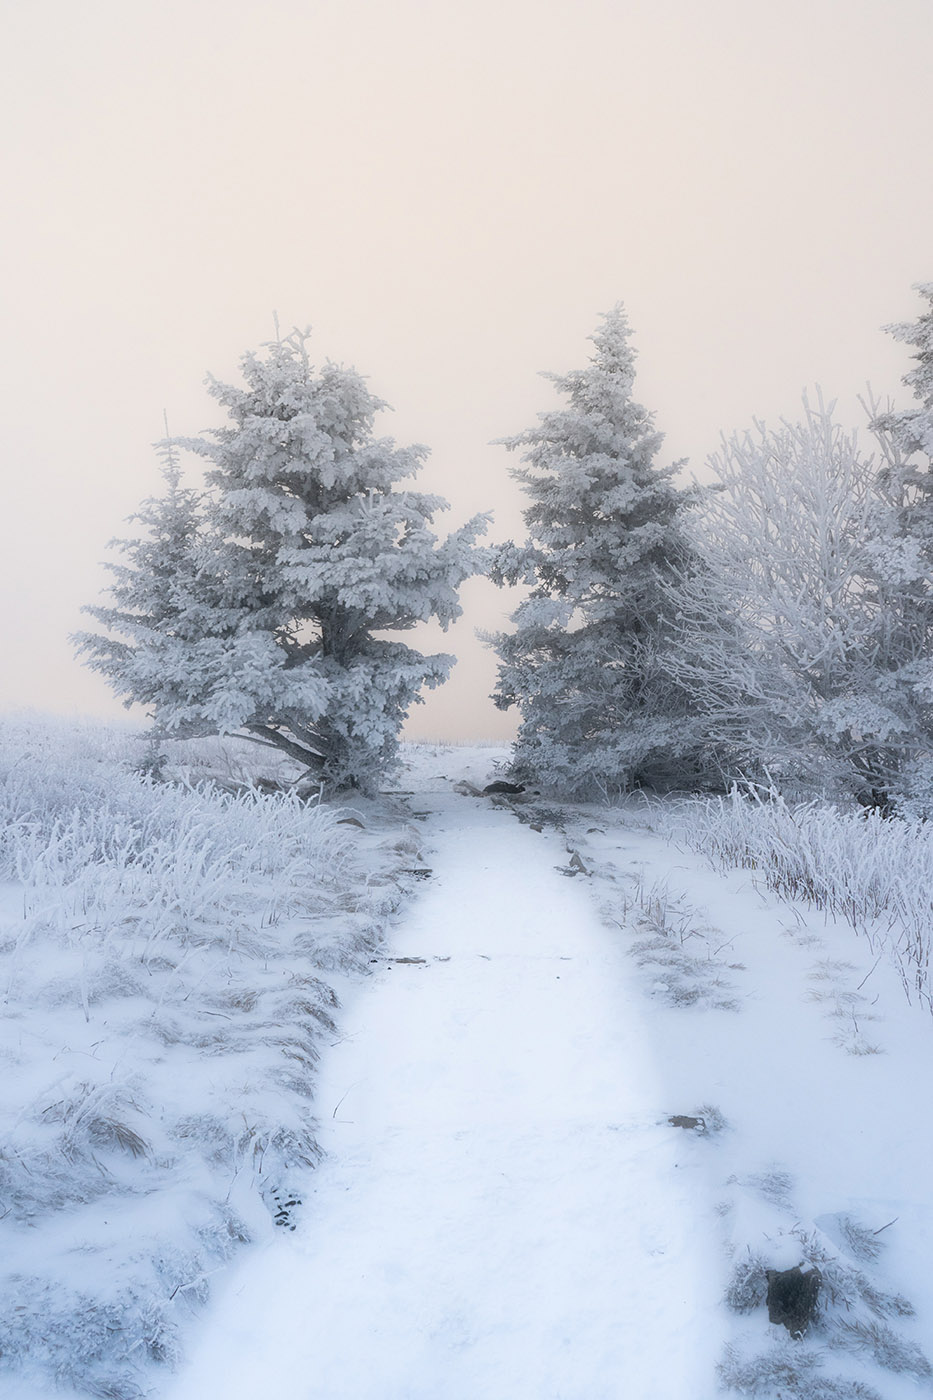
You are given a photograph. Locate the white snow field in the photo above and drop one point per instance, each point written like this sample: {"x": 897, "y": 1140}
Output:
{"x": 504, "y": 1210}
{"x": 501, "y": 1212}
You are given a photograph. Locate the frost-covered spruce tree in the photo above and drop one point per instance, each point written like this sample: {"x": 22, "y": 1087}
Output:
{"x": 904, "y": 556}
{"x": 912, "y": 428}
{"x": 906, "y": 437}
{"x": 309, "y": 553}
{"x": 166, "y": 645}
{"x": 599, "y": 712}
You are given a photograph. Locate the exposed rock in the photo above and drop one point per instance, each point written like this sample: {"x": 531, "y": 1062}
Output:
{"x": 792, "y": 1298}
{"x": 683, "y": 1120}
{"x": 282, "y": 1207}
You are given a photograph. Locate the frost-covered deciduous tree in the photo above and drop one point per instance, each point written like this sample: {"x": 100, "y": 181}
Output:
{"x": 786, "y": 633}
{"x": 267, "y": 609}
{"x": 599, "y": 712}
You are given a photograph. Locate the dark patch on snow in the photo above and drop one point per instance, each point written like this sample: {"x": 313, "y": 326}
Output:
{"x": 792, "y": 1298}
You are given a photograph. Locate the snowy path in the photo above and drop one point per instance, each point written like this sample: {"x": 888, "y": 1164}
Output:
{"x": 500, "y": 1215}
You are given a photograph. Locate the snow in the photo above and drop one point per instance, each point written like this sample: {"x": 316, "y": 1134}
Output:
{"x": 500, "y": 1212}
{"x": 168, "y": 955}
{"x": 816, "y": 1072}
{"x": 504, "y": 1209}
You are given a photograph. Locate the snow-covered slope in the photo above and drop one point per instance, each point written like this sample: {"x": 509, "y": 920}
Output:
{"x": 505, "y": 1209}
{"x": 168, "y": 963}
{"x": 799, "y": 1035}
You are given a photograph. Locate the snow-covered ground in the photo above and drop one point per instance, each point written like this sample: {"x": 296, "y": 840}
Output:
{"x": 169, "y": 957}
{"x": 504, "y": 1209}
{"x": 800, "y": 1036}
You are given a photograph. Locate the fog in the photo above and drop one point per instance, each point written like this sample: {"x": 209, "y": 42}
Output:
{"x": 449, "y": 195}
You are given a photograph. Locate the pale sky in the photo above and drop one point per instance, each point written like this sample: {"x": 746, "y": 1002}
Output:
{"x": 450, "y": 195}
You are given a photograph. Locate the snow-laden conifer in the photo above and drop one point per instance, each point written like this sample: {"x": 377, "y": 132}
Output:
{"x": 270, "y": 615}
{"x": 912, "y": 428}
{"x": 904, "y": 556}
{"x": 599, "y": 710}
{"x": 171, "y": 643}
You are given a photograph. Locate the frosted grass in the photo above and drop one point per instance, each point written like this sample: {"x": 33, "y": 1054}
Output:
{"x": 167, "y": 953}
{"x": 872, "y": 871}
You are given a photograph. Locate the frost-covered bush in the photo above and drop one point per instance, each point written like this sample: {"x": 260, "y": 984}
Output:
{"x": 846, "y": 1288}
{"x": 883, "y": 1344}
{"x": 788, "y": 1373}
{"x": 876, "y": 873}
{"x": 164, "y": 960}
{"x": 675, "y": 953}
{"x": 863, "y": 1244}
{"x": 787, "y": 635}
{"x": 748, "y": 1284}
{"x": 854, "y": 1308}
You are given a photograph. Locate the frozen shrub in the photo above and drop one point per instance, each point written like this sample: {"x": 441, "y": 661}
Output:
{"x": 774, "y": 1186}
{"x": 786, "y": 1372}
{"x": 872, "y": 871}
{"x": 850, "y": 1307}
{"x": 847, "y": 1286}
{"x": 885, "y": 1346}
{"x": 88, "y": 1340}
{"x": 676, "y": 954}
{"x": 748, "y": 1286}
{"x": 712, "y": 1119}
{"x": 863, "y": 1244}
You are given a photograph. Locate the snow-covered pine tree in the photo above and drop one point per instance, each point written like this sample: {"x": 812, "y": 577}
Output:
{"x": 904, "y": 555}
{"x": 912, "y": 428}
{"x": 599, "y": 712}
{"x": 166, "y": 646}
{"x": 308, "y": 553}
